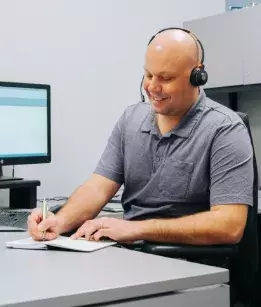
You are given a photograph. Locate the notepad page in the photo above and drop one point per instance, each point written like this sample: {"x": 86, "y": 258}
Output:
{"x": 78, "y": 245}
{"x": 27, "y": 243}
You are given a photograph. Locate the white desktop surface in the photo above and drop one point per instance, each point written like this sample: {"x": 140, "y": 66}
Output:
{"x": 65, "y": 278}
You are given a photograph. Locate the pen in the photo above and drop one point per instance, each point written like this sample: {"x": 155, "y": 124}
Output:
{"x": 44, "y": 211}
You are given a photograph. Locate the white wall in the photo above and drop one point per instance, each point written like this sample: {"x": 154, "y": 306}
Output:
{"x": 91, "y": 52}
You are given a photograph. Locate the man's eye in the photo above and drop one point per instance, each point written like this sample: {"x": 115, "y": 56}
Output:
{"x": 149, "y": 76}
{"x": 166, "y": 78}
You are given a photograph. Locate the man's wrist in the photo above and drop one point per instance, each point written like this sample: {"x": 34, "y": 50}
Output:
{"x": 144, "y": 229}
{"x": 61, "y": 224}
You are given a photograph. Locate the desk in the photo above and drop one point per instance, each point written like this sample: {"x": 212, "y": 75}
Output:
{"x": 112, "y": 275}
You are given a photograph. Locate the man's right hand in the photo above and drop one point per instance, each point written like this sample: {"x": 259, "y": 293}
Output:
{"x": 36, "y": 225}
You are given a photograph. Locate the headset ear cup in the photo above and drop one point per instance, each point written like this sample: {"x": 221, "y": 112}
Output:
{"x": 193, "y": 77}
{"x": 198, "y": 77}
{"x": 203, "y": 77}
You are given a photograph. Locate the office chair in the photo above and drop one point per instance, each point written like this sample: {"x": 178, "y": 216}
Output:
{"x": 241, "y": 259}
{"x": 258, "y": 282}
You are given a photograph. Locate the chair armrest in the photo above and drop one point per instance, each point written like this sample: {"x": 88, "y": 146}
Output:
{"x": 185, "y": 251}
{"x": 175, "y": 251}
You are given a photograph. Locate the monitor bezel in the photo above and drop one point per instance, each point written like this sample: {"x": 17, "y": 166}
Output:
{"x": 36, "y": 159}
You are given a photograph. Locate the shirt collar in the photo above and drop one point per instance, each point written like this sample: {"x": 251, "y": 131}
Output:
{"x": 185, "y": 126}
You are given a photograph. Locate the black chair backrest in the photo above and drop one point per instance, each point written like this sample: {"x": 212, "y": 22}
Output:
{"x": 246, "y": 261}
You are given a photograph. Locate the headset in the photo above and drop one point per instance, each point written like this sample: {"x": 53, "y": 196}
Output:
{"x": 198, "y": 76}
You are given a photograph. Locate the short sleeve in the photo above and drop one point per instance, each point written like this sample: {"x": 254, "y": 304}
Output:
{"x": 111, "y": 163}
{"x": 231, "y": 166}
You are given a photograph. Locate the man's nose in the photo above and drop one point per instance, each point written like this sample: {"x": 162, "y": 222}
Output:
{"x": 154, "y": 86}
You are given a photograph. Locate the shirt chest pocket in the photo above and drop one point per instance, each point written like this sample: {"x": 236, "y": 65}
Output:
{"x": 175, "y": 178}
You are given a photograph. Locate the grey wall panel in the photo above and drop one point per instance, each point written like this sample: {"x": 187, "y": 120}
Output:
{"x": 251, "y": 44}
{"x": 221, "y": 37}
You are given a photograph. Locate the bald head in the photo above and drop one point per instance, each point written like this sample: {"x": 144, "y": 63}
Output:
{"x": 178, "y": 46}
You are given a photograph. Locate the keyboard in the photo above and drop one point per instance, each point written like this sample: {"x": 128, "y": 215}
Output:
{"x": 14, "y": 218}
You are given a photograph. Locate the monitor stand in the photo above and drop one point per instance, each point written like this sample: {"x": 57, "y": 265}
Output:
{"x": 5, "y": 178}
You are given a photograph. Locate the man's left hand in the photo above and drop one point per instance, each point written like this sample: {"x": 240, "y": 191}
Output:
{"x": 116, "y": 229}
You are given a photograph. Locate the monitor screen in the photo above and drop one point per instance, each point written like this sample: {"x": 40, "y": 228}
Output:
{"x": 24, "y": 123}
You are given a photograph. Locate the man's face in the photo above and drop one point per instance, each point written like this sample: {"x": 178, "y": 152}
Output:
{"x": 166, "y": 82}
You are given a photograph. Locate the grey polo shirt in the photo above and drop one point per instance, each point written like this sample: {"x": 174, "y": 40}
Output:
{"x": 205, "y": 160}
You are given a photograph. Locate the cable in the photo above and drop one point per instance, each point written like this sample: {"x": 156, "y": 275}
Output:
{"x": 60, "y": 198}
{"x": 142, "y": 97}
{"x": 56, "y": 198}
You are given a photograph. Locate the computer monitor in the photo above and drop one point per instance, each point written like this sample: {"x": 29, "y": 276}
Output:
{"x": 25, "y": 124}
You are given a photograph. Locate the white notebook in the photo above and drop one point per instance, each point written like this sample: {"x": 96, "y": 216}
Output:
{"x": 61, "y": 242}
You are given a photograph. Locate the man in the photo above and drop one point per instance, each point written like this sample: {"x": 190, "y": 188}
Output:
{"x": 185, "y": 162}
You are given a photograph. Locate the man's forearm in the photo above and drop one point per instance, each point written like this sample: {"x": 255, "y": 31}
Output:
{"x": 82, "y": 205}
{"x": 204, "y": 228}
{"x": 86, "y": 203}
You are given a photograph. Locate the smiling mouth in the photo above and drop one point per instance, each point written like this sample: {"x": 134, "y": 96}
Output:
{"x": 159, "y": 99}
